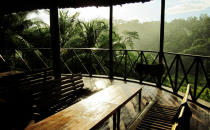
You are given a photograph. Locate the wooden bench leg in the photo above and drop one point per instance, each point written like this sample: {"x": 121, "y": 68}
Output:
{"x": 140, "y": 101}
{"x": 114, "y": 121}
{"x": 118, "y": 119}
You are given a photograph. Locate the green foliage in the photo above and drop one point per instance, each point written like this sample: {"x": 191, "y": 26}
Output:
{"x": 149, "y": 33}
{"x": 180, "y": 35}
{"x": 92, "y": 31}
{"x": 191, "y": 36}
{"x": 69, "y": 30}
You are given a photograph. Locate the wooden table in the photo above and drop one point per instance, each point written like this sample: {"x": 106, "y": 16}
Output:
{"x": 90, "y": 112}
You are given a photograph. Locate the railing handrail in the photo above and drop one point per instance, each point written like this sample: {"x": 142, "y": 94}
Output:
{"x": 189, "y": 66}
{"x": 184, "y": 100}
{"x": 104, "y": 49}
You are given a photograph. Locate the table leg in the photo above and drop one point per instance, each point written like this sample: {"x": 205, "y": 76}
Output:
{"x": 114, "y": 121}
{"x": 118, "y": 119}
{"x": 140, "y": 101}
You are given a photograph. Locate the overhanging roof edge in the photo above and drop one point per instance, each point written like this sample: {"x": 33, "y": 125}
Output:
{"x": 11, "y": 6}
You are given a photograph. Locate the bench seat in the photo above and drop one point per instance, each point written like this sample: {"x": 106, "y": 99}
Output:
{"x": 55, "y": 95}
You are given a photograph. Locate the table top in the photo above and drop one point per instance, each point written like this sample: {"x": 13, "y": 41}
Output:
{"x": 91, "y": 111}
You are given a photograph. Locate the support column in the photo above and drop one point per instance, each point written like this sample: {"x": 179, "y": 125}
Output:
{"x": 110, "y": 43}
{"x": 162, "y": 30}
{"x": 55, "y": 41}
{"x": 162, "y": 22}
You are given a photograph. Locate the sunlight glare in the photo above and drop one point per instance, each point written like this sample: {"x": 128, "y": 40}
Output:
{"x": 100, "y": 84}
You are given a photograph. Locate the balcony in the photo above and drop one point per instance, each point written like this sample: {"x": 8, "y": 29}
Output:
{"x": 180, "y": 69}
{"x": 104, "y": 67}
{"x": 94, "y": 65}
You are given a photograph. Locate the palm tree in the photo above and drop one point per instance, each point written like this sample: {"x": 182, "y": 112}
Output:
{"x": 12, "y": 27}
{"x": 15, "y": 28}
{"x": 69, "y": 30}
{"x": 92, "y": 31}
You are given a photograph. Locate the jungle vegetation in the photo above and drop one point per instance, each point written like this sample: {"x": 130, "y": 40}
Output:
{"x": 22, "y": 39}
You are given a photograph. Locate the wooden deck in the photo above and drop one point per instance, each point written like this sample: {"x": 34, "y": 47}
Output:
{"x": 200, "y": 117}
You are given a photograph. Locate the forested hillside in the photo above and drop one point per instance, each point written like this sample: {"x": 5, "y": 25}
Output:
{"x": 190, "y": 36}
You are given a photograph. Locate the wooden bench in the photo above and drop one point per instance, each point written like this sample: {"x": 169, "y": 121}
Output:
{"x": 16, "y": 99}
{"x": 158, "y": 116}
{"x": 55, "y": 95}
{"x": 37, "y": 95}
{"x": 91, "y": 112}
{"x": 15, "y": 82}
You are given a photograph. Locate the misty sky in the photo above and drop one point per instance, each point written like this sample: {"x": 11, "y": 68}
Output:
{"x": 149, "y": 11}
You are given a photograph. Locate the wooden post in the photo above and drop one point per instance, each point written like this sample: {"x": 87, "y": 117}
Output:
{"x": 161, "y": 37}
{"x": 110, "y": 43}
{"x": 55, "y": 41}
{"x": 162, "y": 30}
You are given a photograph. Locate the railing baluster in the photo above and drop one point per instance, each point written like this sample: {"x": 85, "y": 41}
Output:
{"x": 90, "y": 64}
{"x": 171, "y": 81}
{"x": 196, "y": 79}
{"x": 81, "y": 62}
{"x": 66, "y": 65}
{"x": 176, "y": 74}
{"x": 201, "y": 92}
{"x": 168, "y": 70}
{"x": 141, "y": 57}
{"x": 134, "y": 63}
{"x": 99, "y": 63}
{"x": 191, "y": 66}
{"x": 185, "y": 74}
{"x": 155, "y": 59}
{"x": 145, "y": 59}
{"x": 25, "y": 63}
{"x": 205, "y": 73}
{"x": 125, "y": 73}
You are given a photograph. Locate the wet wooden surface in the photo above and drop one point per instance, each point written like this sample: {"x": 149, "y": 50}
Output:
{"x": 91, "y": 111}
{"x": 200, "y": 117}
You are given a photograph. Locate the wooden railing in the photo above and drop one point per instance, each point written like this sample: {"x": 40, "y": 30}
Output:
{"x": 160, "y": 116}
{"x": 180, "y": 69}
{"x": 178, "y": 123}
